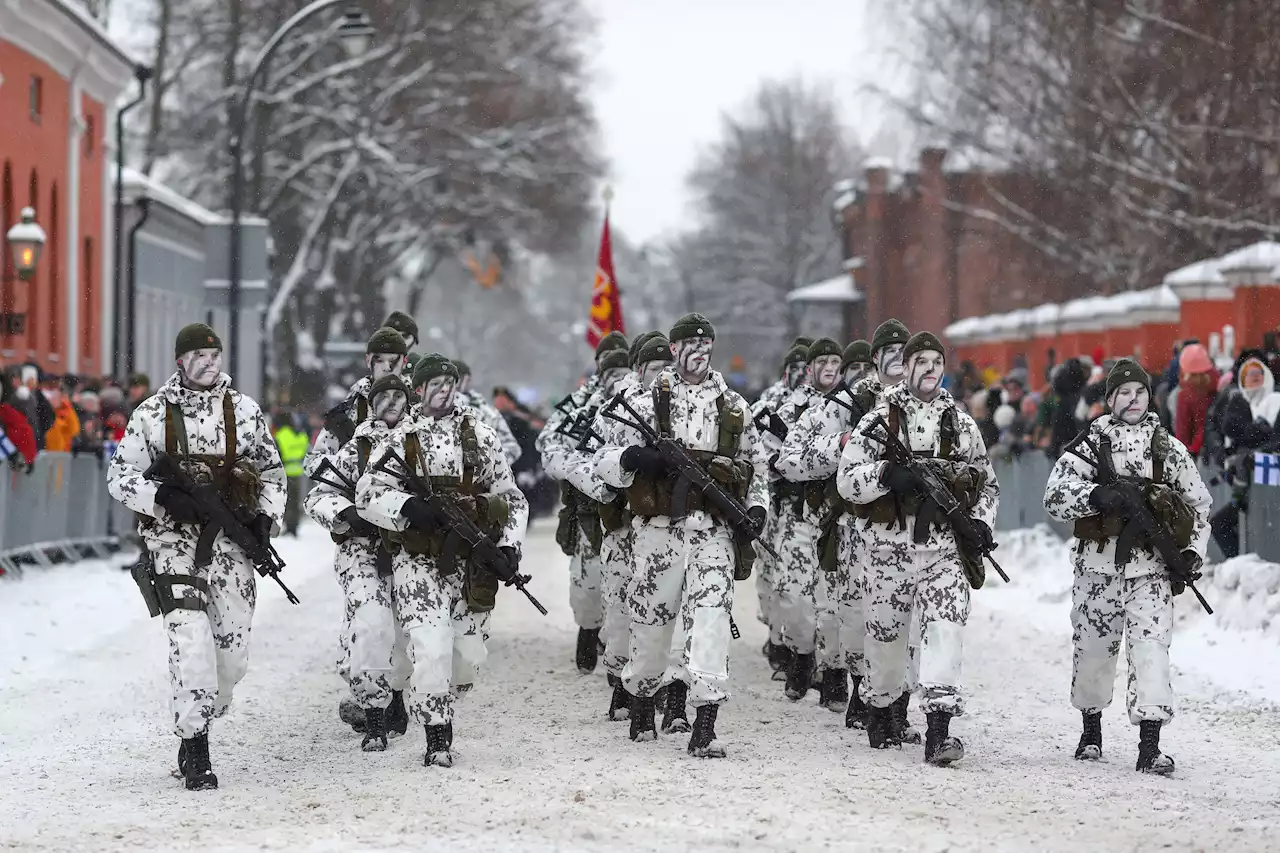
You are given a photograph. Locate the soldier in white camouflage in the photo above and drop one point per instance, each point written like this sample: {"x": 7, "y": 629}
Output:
{"x": 439, "y": 589}
{"x": 914, "y": 558}
{"x": 687, "y": 558}
{"x": 488, "y": 413}
{"x": 557, "y": 445}
{"x": 374, "y": 660}
{"x": 1123, "y": 590}
{"x": 810, "y": 456}
{"x": 764, "y": 413}
{"x": 218, "y": 435}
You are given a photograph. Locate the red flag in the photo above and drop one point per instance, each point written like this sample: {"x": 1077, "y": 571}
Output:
{"x": 606, "y": 302}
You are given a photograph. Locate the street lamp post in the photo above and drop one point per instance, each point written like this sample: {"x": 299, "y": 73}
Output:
{"x": 26, "y": 240}
{"x": 142, "y": 74}
{"x": 356, "y": 35}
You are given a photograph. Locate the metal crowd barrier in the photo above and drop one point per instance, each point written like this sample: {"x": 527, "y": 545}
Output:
{"x": 59, "y": 512}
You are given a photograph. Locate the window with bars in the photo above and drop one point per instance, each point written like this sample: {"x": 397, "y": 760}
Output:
{"x": 35, "y": 98}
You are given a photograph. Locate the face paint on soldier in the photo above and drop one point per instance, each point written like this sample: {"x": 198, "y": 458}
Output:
{"x": 1129, "y": 403}
{"x": 201, "y": 368}
{"x": 610, "y": 378}
{"x": 389, "y": 407}
{"x": 650, "y": 371}
{"x": 889, "y": 363}
{"x": 856, "y": 372}
{"x": 924, "y": 374}
{"x": 693, "y": 358}
{"x": 382, "y": 364}
{"x": 464, "y": 383}
{"x": 794, "y": 375}
{"x": 824, "y": 372}
{"x": 438, "y": 394}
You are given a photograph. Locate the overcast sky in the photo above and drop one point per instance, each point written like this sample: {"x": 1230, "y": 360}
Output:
{"x": 667, "y": 69}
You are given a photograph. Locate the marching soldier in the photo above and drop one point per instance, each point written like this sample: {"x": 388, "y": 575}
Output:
{"x": 914, "y": 558}
{"x": 405, "y": 325}
{"x": 792, "y": 375}
{"x": 1123, "y": 589}
{"x": 374, "y": 661}
{"x": 217, "y": 435}
{"x": 686, "y": 557}
{"x": 439, "y": 589}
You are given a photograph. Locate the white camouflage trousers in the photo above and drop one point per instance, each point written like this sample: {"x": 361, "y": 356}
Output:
{"x": 374, "y": 659}
{"x": 796, "y": 583}
{"x": 209, "y": 649}
{"x": 446, "y": 641}
{"x": 899, "y": 581}
{"x": 586, "y": 586}
{"x": 850, "y": 616}
{"x": 1106, "y": 609}
{"x": 683, "y": 579}
{"x": 617, "y": 559}
{"x": 766, "y": 595}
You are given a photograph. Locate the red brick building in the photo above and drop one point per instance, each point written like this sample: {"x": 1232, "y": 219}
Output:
{"x": 60, "y": 76}
{"x": 929, "y": 257}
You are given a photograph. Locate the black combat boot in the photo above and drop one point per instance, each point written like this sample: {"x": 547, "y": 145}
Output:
{"x": 1090, "y": 746}
{"x": 642, "y": 728}
{"x": 588, "y": 650}
{"x": 375, "y": 730}
{"x": 907, "y": 733}
{"x": 350, "y": 712}
{"x": 799, "y": 676}
{"x": 856, "y": 716}
{"x": 397, "y": 714}
{"x": 940, "y": 749}
{"x": 674, "y": 717}
{"x": 835, "y": 690}
{"x": 779, "y": 661}
{"x": 620, "y": 704}
{"x": 438, "y": 742}
{"x": 193, "y": 763}
{"x": 1150, "y": 758}
{"x": 881, "y": 732}
{"x": 703, "y": 743}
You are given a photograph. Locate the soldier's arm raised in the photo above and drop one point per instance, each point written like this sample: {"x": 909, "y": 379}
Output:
{"x": 132, "y": 457}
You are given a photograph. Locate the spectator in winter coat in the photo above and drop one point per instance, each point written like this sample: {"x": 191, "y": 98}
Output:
{"x": 1191, "y": 400}
{"x": 17, "y": 438}
{"x": 1249, "y": 422}
{"x": 1068, "y": 384}
{"x": 66, "y": 424}
{"x": 33, "y": 405}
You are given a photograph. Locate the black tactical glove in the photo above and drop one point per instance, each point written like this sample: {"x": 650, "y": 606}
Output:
{"x": 899, "y": 479}
{"x": 980, "y": 537}
{"x": 1194, "y": 563}
{"x": 261, "y": 527}
{"x": 1106, "y": 499}
{"x": 513, "y": 560}
{"x": 758, "y": 515}
{"x": 358, "y": 526}
{"x": 420, "y": 516}
{"x": 180, "y": 506}
{"x": 643, "y": 459}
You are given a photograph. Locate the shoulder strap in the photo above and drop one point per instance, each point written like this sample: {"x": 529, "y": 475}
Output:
{"x": 175, "y": 431}
{"x": 470, "y": 452}
{"x": 1104, "y": 452}
{"x": 412, "y": 452}
{"x": 662, "y": 406}
{"x": 338, "y": 422}
{"x": 949, "y": 431}
{"x": 229, "y": 424}
{"x": 1159, "y": 453}
{"x": 730, "y": 424}
{"x": 362, "y": 410}
{"x": 364, "y": 447}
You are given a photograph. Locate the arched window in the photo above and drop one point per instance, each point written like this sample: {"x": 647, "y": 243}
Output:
{"x": 55, "y": 279}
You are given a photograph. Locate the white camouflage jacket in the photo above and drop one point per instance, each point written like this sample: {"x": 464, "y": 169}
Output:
{"x": 380, "y": 496}
{"x": 326, "y": 502}
{"x": 694, "y": 424}
{"x": 813, "y": 446}
{"x": 1066, "y": 495}
{"x": 771, "y": 397}
{"x": 491, "y": 417}
{"x": 551, "y": 444}
{"x": 858, "y": 475}
{"x": 326, "y": 443}
{"x": 144, "y": 441}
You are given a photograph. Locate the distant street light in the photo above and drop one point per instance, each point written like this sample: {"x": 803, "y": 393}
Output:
{"x": 355, "y": 35}
{"x": 26, "y": 239}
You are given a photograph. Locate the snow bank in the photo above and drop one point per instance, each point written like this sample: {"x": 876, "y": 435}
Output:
{"x": 1237, "y": 649}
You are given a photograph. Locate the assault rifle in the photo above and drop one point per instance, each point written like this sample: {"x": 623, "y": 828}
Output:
{"x": 690, "y": 476}
{"x": 347, "y": 489}
{"x": 1140, "y": 521}
{"x": 458, "y": 526}
{"x": 767, "y": 420}
{"x": 934, "y": 488}
{"x": 834, "y": 396}
{"x": 219, "y": 517}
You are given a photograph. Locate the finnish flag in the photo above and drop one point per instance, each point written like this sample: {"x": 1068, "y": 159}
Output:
{"x": 1266, "y": 469}
{"x": 6, "y": 446}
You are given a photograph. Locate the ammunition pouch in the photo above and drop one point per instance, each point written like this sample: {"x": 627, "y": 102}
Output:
{"x": 567, "y": 531}
{"x": 744, "y": 557}
{"x": 614, "y": 515}
{"x": 479, "y": 588}
{"x": 490, "y": 513}
{"x": 965, "y": 481}
{"x": 649, "y": 497}
{"x": 1167, "y": 507}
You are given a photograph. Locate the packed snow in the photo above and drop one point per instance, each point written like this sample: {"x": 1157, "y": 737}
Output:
{"x": 86, "y": 753}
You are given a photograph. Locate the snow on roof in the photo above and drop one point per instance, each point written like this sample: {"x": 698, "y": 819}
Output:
{"x": 1263, "y": 255}
{"x": 838, "y": 289}
{"x": 961, "y": 330}
{"x": 93, "y": 27}
{"x": 1157, "y": 305}
{"x": 153, "y": 189}
{"x": 1201, "y": 272}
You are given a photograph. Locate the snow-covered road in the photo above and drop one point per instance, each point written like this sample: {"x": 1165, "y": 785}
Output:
{"x": 85, "y": 753}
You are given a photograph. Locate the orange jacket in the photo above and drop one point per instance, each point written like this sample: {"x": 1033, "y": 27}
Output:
{"x": 66, "y": 426}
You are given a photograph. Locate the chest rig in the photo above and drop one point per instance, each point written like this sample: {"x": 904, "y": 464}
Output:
{"x": 236, "y": 479}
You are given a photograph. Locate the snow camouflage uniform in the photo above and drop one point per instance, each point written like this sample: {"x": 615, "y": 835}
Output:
{"x": 208, "y": 630}
{"x": 900, "y": 575}
{"x": 374, "y": 658}
{"x": 811, "y": 455}
{"x": 339, "y": 425}
{"x": 684, "y": 568}
{"x": 1134, "y": 602}
{"x": 492, "y": 418}
{"x": 437, "y": 600}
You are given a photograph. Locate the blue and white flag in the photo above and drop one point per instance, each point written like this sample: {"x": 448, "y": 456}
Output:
{"x": 1266, "y": 469}
{"x": 6, "y": 446}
